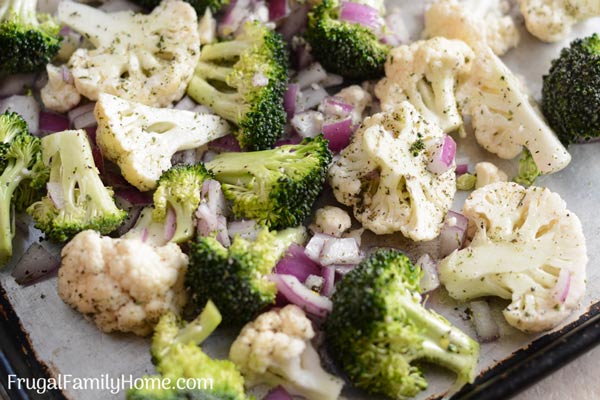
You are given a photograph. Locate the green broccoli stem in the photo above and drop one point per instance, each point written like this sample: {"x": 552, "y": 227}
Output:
{"x": 223, "y": 50}
{"x": 200, "y": 328}
{"x": 185, "y": 222}
{"x": 9, "y": 181}
{"x": 227, "y": 105}
{"x": 211, "y": 71}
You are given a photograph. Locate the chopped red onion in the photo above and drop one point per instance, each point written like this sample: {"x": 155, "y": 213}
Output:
{"x": 308, "y": 123}
{"x": 335, "y": 107}
{"x": 186, "y": 104}
{"x": 563, "y": 284}
{"x": 200, "y": 109}
{"x": 301, "y": 56}
{"x": 278, "y": 9}
{"x": 328, "y": 274}
{"x": 144, "y": 236}
{"x": 462, "y": 169}
{"x": 210, "y": 223}
{"x": 296, "y": 293}
{"x": 442, "y": 156}
{"x": 133, "y": 196}
{"x": 453, "y": 233}
{"x": 485, "y": 326}
{"x": 170, "y": 224}
{"x": 222, "y": 234}
{"x": 332, "y": 80}
{"x": 310, "y": 98}
{"x": 289, "y": 100}
{"x": 225, "y": 144}
{"x": 36, "y": 263}
{"x": 216, "y": 202}
{"x": 314, "y": 283}
{"x": 245, "y": 229}
{"x": 430, "y": 280}
{"x": 51, "y": 122}
{"x": 186, "y": 157}
{"x": 315, "y": 245}
{"x": 80, "y": 110}
{"x": 209, "y": 155}
{"x": 338, "y": 133}
{"x": 16, "y": 84}
{"x": 342, "y": 269}
{"x": 294, "y": 23}
{"x": 297, "y": 263}
{"x": 133, "y": 213}
{"x": 56, "y": 195}
{"x": 66, "y": 75}
{"x": 279, "y": 393}
{"x": 26, "y": 107}
{"x": 340, "y": 251}
{"x": 362, "y": 14}
{"x": 85, "y": 120}
{"x": 295, "y": 139}
{"x": 315, "y": 73}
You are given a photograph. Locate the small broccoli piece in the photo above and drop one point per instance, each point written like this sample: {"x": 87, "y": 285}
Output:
{"x": 236, "y": 278}
{"x": 199, "y": 5}
{"x": 243, "y": 80}
{"x": 176, "y": 353}
{"x": 344, "y": 48}
{"x": 21, "y": 172}
{"x": 78, "y": 199}
{"x": 571, "y": 91}
{"x": 28, "y": 40}
{"x": 528, "y": 170}
{"x": 276, "y": 187}
{"x": 180, "y": 188}
{"x": 378, "y": 328}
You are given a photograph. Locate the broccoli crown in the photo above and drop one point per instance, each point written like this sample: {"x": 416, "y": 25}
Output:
{"x": 571, "y": 91}
{"x": 344, "y": 48}
{"x": 378, "y": 327}
{"x": 22, "y": 172}
{"x": 199, "y": 5}
{"x": 236, "y": 278}
{"x": 79, "y": 200}
{"x": 180, "y": 188}
{"x": 28, "y": 41}
{"x": 244, "y": 80}
{"x": 276, "y": 187}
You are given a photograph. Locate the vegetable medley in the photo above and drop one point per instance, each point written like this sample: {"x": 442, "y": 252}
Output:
{"x": 178, "y": 149}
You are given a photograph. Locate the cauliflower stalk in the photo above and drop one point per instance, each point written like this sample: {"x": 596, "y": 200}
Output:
{"x": 145, "y": 58}
{"x": 275, "y": 349}
{"x": 141, "y": 140}
{"x": 526, "y": 247}
{"x": 122, "y": 284}
{"x": 474, "y": 22}
{"x": 426, "y": 73}
{"x": 505, "y": 118}
{"x": 384, "y": 175}
{"x": 58, "y": 95}
{"x": 552, "y": 20}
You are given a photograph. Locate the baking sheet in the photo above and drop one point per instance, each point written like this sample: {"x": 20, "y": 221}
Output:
{"x": 68, "y": 344}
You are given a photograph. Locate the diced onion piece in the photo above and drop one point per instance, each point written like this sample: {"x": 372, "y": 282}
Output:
{"x": 215, "y": 198}
{"x": 56, "y": 195}
{"x": 301, "y": 57}
{"x": 307, "y": 77}
{"x": 442, "y": 156}
{"x": 186, "y": 157}
{"x": 85, "y": 120}
{"x": 26, "y": 107}
{"x": 245, "y": 229}
{"x": 36, "y": 263}
{"x": 279, "y": 393}
{"x": 16, "y": 84}
{"x": 315, "y": 245}
{"x": 340, "y": 251}
{"x": 81, "y": 110}
{"x": 296, "y": 293}
{"x": 342, "y": 269}
{"x": 310, "y": 98}
{"x": 462, "y": 169}
{"x": 186, "y": 104}
{"x": 315, "y": 283}
{"x": 133, "y": 196}
{"x": 170, "y": 224}
{"x": 362, "y": 14}
{"x": 133, "y": 214}
{"x": 224, "y": 144}
{"x": 290, "y": 98}
{"x": 295, "y": 139}
{"x": 297, "y": 263}
{"x": 453, "y": 233}
{"x": 328, "y": 274}
{"x": 563, "y": 284}
{"x": 332, "y": 80}
{"x": 338, "y": 133}
{"x": 308, "y": 123}
{"x": 430, "y": 280}
{"x": 295, "y": 23}
{"x": 278, "y": 9}
{"x": 335, "y": 107}
{"x": 485, "y": 326}
{"x": 51, "y": 122}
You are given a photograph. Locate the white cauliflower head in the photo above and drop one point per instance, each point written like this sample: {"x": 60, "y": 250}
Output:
{"x": 474, "y": 22}
{"x": 141, "y": 140}
{"x": 384, "y": 175}
{"x": 488, "y": 173}
{"x": 145, "y": 58}
{"x": 552, "y": 20}
{"x": 275, "y": 349}
{"x": 122, "y": 284}
{"x": 426, "y": 73}
{"x": 332, "y": 221}
{"x": 526, "y": 247}
{"x": 58, "y": 94}
{"x": 505, "y": 118}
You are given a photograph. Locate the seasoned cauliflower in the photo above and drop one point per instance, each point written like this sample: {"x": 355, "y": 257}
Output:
{"x": 275, "y": 349}
{"x": 526, "y": 247}
{"x": 359, "y": 98}
{"x": 141, "y": 140}
{"x": 332, "y": 221}
{"x": 149, "y": 59}
{"x": 122, "y": 284}
{"x": 425, "y": 73}
{"x": 474, "y": 22}
{"x": 58, "y": 95}
{"x": 488, "y": 173}
{"x": 505, "y": 118}
{"x": 384, "y": 174}
{"x": 552, "y": 20}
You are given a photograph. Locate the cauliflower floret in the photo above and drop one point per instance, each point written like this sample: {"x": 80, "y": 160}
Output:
{"x": 122, "y": 284}
{"x": 474, "y": 22}
{"x": 59, "y": 95}
{"x": 141, "y": 140}
{"x": 527, "y": 247}
{"x": 145, "y": 58}
{"x": 275, "y": 349}
{"x": 552, "y": 20}
{"x": 505, "y": 118}
{"x": 487, "y": 173}
{"x": 357, "y": 97}
{"x": 425, "y": 73}
{"x": 332, "y": 221}
{"x": 384, "y": 174}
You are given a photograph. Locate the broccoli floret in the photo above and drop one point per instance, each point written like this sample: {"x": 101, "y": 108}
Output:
{"x": 571, "y": 91}
{"x": 77, "y": 199}
{"x": 28, "y": 40}
{"x": 378, "y": 328}
{"x": 21, "y": 171}
{"x": 243, "y": 81}
{"x": 235, "y": 278}
{"x": 180, "y": 188}
{"x": 176, "y": 353}
{"x": 199, "y": 5}
{"x": 344, "y": 48}
{"x": 276, "y": 187}
{"x": 528, "y": 170}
